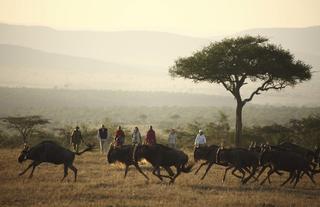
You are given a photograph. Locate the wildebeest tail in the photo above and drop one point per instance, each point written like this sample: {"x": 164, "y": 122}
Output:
{"x": 89, "y": 148}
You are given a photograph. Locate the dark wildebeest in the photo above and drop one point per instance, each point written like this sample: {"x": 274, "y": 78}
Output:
{"x": 161, "y": 156}
{"x": 123, "y": 154}
{"x": 287, "y": 161}
{"x": 208, "y": 154}
{"x": 311, "y": 156}
{"x": 239, "y": 159}
{"x": 51, "y": 152}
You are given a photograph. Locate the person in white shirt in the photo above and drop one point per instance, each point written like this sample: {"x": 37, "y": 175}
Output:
{"x": 172, "y": 139}
{"x": 200, "y": 139}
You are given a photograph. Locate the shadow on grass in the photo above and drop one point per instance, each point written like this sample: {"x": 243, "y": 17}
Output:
{"x": 253, "y": 189}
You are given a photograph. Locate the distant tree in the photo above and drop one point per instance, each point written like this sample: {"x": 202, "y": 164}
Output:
{"x": 219, "y": 130}
{"x": 25, "y": 125}
{"x": 306, "y": 131}
{"x": 235, "y": 62}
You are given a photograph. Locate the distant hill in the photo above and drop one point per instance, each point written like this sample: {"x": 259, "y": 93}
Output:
{"x": 41, "y": 57}
{"x": 303, "y": 40}
{"x": 127, "y": 47}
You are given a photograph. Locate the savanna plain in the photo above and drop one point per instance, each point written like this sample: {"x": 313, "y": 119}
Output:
{"x": 102, "y": 184}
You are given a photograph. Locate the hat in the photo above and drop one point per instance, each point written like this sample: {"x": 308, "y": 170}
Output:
{"x": 200, "y": 131}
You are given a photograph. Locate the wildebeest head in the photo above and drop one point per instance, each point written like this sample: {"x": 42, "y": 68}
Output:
{"x": 24, "y": 154}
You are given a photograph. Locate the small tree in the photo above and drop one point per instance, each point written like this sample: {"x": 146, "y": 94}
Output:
{"x": 25, "y": 125}
{"x": 236, "y": 62}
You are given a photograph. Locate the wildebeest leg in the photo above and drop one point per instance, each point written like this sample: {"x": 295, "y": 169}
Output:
{"x": 156, "y": 172}
{"x": 248, "y": 171}
{"x": 297, "y": 179}
{"x": 126, "y": 171}
{"x": 261, "y": 171}
{"x": 23, "y": 172}
{"x": 35, "y": 164}
{"x": 225, "y": 173}
{"x": 254, "y": 169}
{"x": 290, "y": 177}
{"x": 75, "y": 171}
{"x": 176, "y": 175}
{"x": 271, "y": 171}
{"x": 207, "y": 170}
{"x": 169, "y": 171}
{"x": 310, "y": 176}
{"x": 202, "y": 164}
{"x": 65, "y": 172}
{"x": 234, "y": 173}
{"x": 140, "y": 171}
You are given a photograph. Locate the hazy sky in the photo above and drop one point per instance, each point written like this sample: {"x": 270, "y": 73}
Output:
{"x": 193, "y": 17}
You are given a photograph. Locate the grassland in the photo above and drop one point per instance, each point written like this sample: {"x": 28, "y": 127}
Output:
{"x": 101, "y": 184}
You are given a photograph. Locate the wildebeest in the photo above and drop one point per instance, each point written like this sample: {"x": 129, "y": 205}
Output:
{"x": 239, "y": 159}
{"x": 51, "y": 152}
{"x": 310, "y": 155}
{"x": 208, "y": 154}
{"x": 123, "y": 154}
{"x": 161, "y": 156}
{"x": 287, "y": 161}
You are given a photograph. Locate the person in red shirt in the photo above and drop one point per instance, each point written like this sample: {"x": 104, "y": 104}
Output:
{"x": 151, "y": 137}
{"x": 119, "y": 139}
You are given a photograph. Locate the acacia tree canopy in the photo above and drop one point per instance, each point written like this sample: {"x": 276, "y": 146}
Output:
{"x": 234, "y": 62}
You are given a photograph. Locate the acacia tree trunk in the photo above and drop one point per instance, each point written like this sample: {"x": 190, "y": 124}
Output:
{"x": 238, "y": 123}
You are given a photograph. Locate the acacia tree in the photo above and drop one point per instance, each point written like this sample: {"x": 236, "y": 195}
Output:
{"x": 25, "y": 125}
{"x": 235, "y": 62}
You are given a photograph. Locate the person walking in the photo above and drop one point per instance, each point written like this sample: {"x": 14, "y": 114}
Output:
{"x": 151, "y": 137}
{"x": 136, "y": 137}
{"x": 102, "y": 137}
{"x": 200, "y": 139}
{"x": 120, "y": 136}
{"x": 76, "y": 139}
{"x": 172, "y": 139}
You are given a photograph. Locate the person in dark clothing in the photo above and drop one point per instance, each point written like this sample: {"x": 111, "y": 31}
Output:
{"x": 151, "y": 137}
{"x": 76, "y": 139}
{"x": 120, "y": 136}
{"x": 102, "y": 137}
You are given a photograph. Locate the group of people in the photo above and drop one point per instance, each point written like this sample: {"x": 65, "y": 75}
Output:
{"x": 136, "y": 138}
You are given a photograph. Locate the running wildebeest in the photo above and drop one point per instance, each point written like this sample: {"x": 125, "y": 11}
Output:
{"x": 161, "y": 156}
{"x": 123, "y": 154}
{"x": 287, "y": 161}
{"x": 208, "y": 154}
{"x": 311, "y": 156}
{"x": 239, "y": 159}
{"x": 51, "y": 152}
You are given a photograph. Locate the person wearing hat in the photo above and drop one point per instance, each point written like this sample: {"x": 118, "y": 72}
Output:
{"x": 102, "y": 137}
{"x": 172, "y": 138}
{"x": 76, "y": 139}
{"x": 200, "y": 139}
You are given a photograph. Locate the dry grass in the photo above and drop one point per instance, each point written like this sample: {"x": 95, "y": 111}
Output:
{"x": 100, "y": 184}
